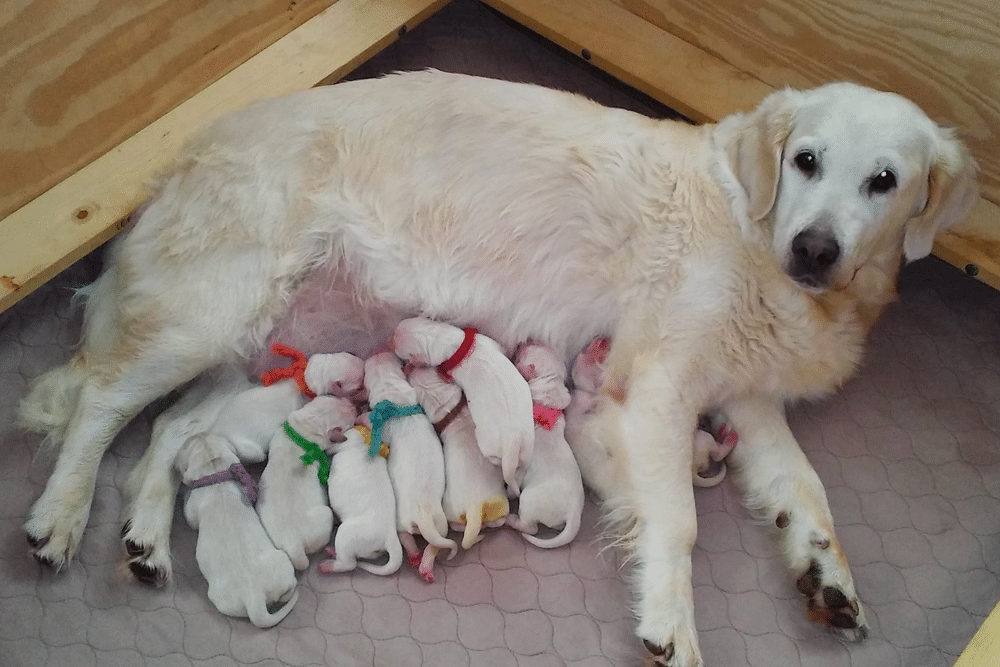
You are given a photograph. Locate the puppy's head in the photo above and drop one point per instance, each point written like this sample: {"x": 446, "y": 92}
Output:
{"x": 203, "y": 454}
{"x": 545, "y": 373}
{"x": 842, "y": 177}
{"x": 325, "y": 419}
{"x": 436, "y": 396}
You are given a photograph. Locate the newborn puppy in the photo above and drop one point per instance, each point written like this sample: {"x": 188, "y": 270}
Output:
{"x": 416, "y": 463}
{"x": 249, "y": 420}
{"x": 246, "y": 575}
{"x": 474, "y": 494}
{"x": 361, "y": 494}
{"x": 499, "y": 400}
{"x": 340, "y": 374}
{"x": 293, "y": 503}
{"x": 711, "y": 443}
{"x": 553, "y": 488}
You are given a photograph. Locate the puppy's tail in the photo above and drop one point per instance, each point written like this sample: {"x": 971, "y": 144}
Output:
{"x": 565, "y": 537}
{"x": 473, "y": 525}
{"x": 427, "y": 525}
{"x": 262, "y": 618}
{"x": 395, "y": 550}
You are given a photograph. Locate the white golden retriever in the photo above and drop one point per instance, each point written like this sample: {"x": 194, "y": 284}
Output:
{"x": 737, "y": 265}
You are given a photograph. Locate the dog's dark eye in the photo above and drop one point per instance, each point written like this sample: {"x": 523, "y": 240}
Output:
{"x": 883, "y": 182}
{"x": 806, "y": 162}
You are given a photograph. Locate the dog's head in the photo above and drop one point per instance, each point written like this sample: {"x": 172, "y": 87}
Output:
{"x": 842, "y": 175}
{"x": 545, "y": 373}
{"x": 325, "y": 420}
{"x": 436, "y": 396}
{"x": 204, "y": 454}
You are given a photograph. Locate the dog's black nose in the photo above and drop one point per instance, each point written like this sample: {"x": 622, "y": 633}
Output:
{"x": 814, "y": 252}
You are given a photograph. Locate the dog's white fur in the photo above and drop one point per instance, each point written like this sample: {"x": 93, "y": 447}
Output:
{"x": 293, "y": 503}
{"x": 334, "y": 374}
{"x": 362, "y": 496}
{"x": 474, "y": 494}
{"x": 553, "y": 489}
{"x": 530, "y": 213}
{"x": 499, "y": 399}
{"x": 245, "y": 572}
{"x": 416, "y": 463}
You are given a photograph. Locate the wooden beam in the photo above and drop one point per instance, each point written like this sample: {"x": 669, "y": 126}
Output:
{"x": 984, "y": 649}
{"x": 705, "y": 88}
{"x": 46, "y": 235}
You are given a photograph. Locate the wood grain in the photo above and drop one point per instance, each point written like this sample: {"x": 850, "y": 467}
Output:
{"x": 942, "y": 54}
{"x": 79, "y": 76}
{"x": 76, "y": 215}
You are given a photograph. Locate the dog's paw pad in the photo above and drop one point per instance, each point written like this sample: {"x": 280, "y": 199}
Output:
{"x": 830, "y": 606}
{"x": 37, "y": 542}
{"x": 414, "y": 560}
{"x": 147, "y": 574}
{"x": 428, "y": 577}
{"x": 50, "y": 562}
{"x": 136, "y": 550}
{"x": 661, "y": 656}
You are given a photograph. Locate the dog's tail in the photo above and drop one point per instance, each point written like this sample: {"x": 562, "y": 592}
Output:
{"x": 428, "y": 519}
{"x": 565, "y": 537}
{"x": 473, "y": 525}
{"x": 262, "y": 618}
{"x": 395, "y": 550}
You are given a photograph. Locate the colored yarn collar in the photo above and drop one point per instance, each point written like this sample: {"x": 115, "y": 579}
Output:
{"x": 546, "y": 417}
{"x": 463, "y": 351}
{"x": 382, "y": 412}
{"x": 446, "y": 421}
{"x": 295, "y": 370}
{"x": 312, "y": 453}
{"x": 235, "y": 473}
{"x": 366, "y": 437}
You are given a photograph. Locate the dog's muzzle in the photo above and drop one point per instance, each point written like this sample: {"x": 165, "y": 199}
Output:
{"x": 814, "y": 255}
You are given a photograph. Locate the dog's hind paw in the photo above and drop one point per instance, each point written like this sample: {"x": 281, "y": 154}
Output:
{"x": 830, "y": 606}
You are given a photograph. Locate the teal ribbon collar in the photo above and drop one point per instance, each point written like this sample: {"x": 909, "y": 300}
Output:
{"x": 383, "y": 412}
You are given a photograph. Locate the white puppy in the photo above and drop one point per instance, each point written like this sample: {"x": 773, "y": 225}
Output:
{"x": 474, "y": 494}
{"x": 499, "y": 400}
{"x": 416, "y": 462}
{"x": 246, "y": 575}
{"x": 293, "y": 503}
{"x": 712, "y": 445}
{"x": 249, "y": 420}
{"x": 553, "y": 489}
{"x": 361, "y": 494}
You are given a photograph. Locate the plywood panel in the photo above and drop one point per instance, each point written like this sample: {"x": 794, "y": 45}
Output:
{"x": 79, "y": 76}
{"x": 943, "y": 54}
{"x": 55, "y": 229}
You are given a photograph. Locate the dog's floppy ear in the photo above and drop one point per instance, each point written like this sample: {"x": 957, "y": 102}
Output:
{"x": 952, "y": 191}
{"x": 754, "y": 149}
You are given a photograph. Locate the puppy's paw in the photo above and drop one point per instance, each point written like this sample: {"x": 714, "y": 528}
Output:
{"x": 54, "y": 529}
{"x": 830, "y": 605}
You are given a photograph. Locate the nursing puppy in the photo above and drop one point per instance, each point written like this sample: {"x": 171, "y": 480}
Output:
{"x": 246, "y": 575}
{"x": 416, "y": 465}
{"x": 474, "y": 494}
{"x": 362, "y": 496}
{"x": 293, "y": 500}
{"x": 736, "y": 265}
{"x": 553, "y": 490}
{"x": 498, "y": 398}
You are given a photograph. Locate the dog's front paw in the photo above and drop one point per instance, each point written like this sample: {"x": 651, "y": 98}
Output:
{"x": 147, "y": 557}
{"x": 54, "y": 529}
{"x": 831, "y": 605}
{"x": 672, "y": 650}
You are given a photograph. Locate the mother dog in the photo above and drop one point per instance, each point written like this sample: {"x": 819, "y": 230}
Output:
{"x": 735, "y": 265}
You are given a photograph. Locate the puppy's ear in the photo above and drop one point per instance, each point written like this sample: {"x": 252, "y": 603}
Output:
{"x": 755, "y": 148}
{"x": 952, "y": 191}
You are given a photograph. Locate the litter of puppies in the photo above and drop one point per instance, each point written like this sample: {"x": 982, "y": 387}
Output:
{"x": 437, "y": 430}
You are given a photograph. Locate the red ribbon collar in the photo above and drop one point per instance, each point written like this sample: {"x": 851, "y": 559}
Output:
{"x": 545, "y": 417}
{"x": 296, "y": 370}
{"x": 463, "y": 351}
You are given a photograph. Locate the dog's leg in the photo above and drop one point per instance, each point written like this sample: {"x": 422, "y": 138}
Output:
{"x": 106, "y": 403}
{"x": 152, "y": 485}
{"x": 780, "y": 485}
{"x": 653, "y": 498}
